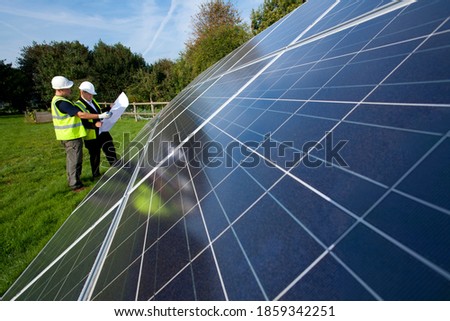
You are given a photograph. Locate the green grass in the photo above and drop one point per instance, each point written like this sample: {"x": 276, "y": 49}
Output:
{"x": 34, "y": 197}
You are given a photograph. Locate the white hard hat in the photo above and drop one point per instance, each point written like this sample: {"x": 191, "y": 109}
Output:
{"x": 88, "y": 87}
{"x": 60, "y": 82}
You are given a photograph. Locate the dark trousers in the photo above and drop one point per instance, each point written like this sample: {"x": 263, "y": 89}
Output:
{"x": 106, "y": 143}
{"x": 74, "y": 161}
{"x": 94, "y": 156}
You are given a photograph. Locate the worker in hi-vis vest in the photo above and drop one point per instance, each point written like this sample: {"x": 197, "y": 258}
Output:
{"x": 69, "y": 129}
{"x": 95, "y": 141}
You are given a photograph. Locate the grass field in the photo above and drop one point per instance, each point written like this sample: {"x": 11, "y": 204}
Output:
{"x": 34, "y": 197}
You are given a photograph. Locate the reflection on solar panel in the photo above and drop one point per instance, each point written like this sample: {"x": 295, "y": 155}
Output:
{"x": 312, "y": 163}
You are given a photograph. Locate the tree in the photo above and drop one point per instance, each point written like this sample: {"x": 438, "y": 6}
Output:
{"x": 113, "y": 68}
{"x": 162, "y": 76}
{"x": 12, "y": 84}
{"x": 182, "y": 73}
{"x": 213, "y": 14}
{"x": 214, "y": 45}
{"x": 270, "y": 12}
{"x": 153, "y": 83}
{"x": 41, "y": 62}
{"x": 217, "y": 30}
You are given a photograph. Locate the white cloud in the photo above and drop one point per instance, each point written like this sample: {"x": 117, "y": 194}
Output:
{"x": 154, "y": 28}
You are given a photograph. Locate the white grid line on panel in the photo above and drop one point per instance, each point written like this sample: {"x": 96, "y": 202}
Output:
{"x": 375, "y": 13}
{"x": 151, "y": 136}
{"x": 230, "y": 224}
{"x": 385, "y": 103}
{"x": 423, "y": 202}
{"x": 316, "y": 262}
{"x": 216, "y": 263}
{"x": 357, "y": 218}
{"x": 309, "y": 232}
{"x": 356, "y": 277}
{"x": 411, "y": 252}
{"x": 230, "y": 69}
{"x": 219, "y": 273}
{"x": 89, "y": 286}
{"x": 183, "y": 210}
{"x": 143, "y": 246}
{"x": 92, "y": 279}
{"x": 206, "y": 121}
{"x": 275, "y": 53}
{"x": 65, "y": 252}
{"x": 402, "y": 129}
{"x": 342, "y": 168}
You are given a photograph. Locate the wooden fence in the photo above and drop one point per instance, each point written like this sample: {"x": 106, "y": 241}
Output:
{"x": 42, "y": 117}
{"x": 45, "y": 117}
{"x": 136, "y": 113}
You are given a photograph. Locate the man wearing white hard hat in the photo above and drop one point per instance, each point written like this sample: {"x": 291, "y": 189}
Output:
{"x": 93, "y": 140}
{"x": 69, "y": 128}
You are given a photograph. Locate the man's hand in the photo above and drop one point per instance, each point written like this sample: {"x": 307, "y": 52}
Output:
{"x": 105, "y": 115}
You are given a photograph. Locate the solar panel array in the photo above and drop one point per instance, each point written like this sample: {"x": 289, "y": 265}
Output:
{"x": 312, "y": 163}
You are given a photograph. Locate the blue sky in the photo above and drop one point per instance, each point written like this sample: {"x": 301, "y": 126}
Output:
{"x": 153, "y": 28}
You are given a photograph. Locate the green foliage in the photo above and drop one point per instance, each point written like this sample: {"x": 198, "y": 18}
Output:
{"x": 214, "y": 45}
{"x": 270, "y": 12}
{"x": 34, "y": 197}
{"x": 12, "y": 94}
{"x": 182, "y": 73}
{"x": 41, "y": 62}
{"x": 217, "y": 30}
{"x": 112, "y": 68}
{"x": 211, "y": 15}
{"x": 154, "y": 83}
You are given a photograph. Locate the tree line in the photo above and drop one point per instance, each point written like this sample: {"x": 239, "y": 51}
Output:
{"x": 217, "y": 29}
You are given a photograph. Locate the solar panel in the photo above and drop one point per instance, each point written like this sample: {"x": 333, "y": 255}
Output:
{"x": 312, "y": 163}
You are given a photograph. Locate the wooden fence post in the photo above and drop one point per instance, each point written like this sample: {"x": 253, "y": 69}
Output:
{"x": 152, "y": 107}
{"x": 135, "y": 112}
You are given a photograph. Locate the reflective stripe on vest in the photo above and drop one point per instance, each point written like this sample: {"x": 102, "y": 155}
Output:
{"x": 97, "y": 105}
{"x": 66, "y": 126}
{"x": 90, "y": 133}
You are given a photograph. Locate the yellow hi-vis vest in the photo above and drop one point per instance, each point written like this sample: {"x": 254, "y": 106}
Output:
{"x": 90, "y": 132}
{"x": 66, "y": 126}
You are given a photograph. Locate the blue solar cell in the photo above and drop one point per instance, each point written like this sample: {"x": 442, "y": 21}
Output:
{"x": 388, "y": 270}
{"x": 354, "y": 193}
{"x": 317, "y": 214}
{"x": 419, "y": 227}
{"x": 430, "y": 180}
{"x": 172, "y": 292}
{"x": 239, "y": 280}
{"x": 413, "y": 93}
{"x": 336, "y": 93}
{"x": 332, "y": 110}
{"x": 215, "y": 218}
{"x": 302, "y": 131}
{"x": 328, "y": 281}
{"x": 207, "y": 282}
{"x": 234, "y": 195}
{"x": 278, "y": 249}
